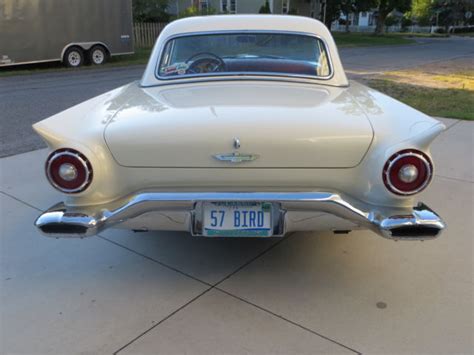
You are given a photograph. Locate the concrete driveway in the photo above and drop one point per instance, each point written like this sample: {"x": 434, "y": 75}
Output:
{"x": 172, "y": 293}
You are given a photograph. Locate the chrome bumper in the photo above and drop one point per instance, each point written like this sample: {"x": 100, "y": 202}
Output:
{"x": 418, "y": 223}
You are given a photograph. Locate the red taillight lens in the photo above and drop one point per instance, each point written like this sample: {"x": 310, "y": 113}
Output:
{"x": 68, "y": 170}
{"x": 407, "y": 172}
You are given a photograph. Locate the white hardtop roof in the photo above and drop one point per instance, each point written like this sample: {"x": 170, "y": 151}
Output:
{"x": 245, "y": 22}
{"x": 218, "y": 23}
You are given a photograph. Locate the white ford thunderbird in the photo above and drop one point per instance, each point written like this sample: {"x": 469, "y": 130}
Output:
{"x": 242, "y": 126}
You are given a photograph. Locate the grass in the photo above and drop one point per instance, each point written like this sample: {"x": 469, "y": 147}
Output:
{"x": 443, "y": 102}
{"x": 435, "y": 78}
{"x": 369, "y": 39}
{"x": 420, "y": 35}
{"x": 467, "y": 34}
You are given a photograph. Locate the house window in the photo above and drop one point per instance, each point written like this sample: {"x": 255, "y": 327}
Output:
{"x": 203, "y": 5}
{"x": 229, "y": 6}
{"x": 285, "y": 6}
{"x": 371, "y": 20}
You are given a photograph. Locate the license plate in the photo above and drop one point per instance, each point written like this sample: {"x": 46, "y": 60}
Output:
{"x": 237, "y": 219}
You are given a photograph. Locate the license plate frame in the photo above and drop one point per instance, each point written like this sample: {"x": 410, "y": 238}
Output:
{"x": 224, "y": 225}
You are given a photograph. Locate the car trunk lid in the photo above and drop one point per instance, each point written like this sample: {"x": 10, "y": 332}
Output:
{"x": 238, "y": 125}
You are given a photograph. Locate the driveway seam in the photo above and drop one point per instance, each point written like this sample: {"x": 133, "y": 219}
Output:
{"x": 163, "y": 320}
{"x": 215, "y": 286}
{"x": 154, "y": 260}
{"x": 253, "y": 259}
{"x": 212, "y": 286}
{"x": 21, "y": 201}
{"x": 455, "y": 179}
{"x": 287, "y": 320}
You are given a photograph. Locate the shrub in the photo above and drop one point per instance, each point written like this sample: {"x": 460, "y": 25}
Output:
{"x": 464, "y": 29}
{"x": 406, "y": 22}
{"x": 194, "y": 11}
{"x": 265, "y": 9}
{"x": 391, "y": 21}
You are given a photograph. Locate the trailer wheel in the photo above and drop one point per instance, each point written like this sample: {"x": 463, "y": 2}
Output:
{"x": 98, "y": 55}
{"x": 74, "y": 57}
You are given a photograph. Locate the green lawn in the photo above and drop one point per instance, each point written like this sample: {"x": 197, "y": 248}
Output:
{"x": 443, "y": 102}
{"x": 468, "y": 34}
{"x": 368, "y": 39}
{"x": 354, "y": 39}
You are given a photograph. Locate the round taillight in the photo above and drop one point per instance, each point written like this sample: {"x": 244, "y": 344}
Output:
{"x": 68, "y": 170}
{"x": 407, "y": 172}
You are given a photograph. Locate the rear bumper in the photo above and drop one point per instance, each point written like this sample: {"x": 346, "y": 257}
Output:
{"x": 417, "y": 223}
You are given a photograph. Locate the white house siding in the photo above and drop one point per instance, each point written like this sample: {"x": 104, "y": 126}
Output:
{"x": 302, "y": 7}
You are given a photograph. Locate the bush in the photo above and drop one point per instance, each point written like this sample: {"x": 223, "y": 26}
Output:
{"x": 406, "y": 22}
{"x": 150, "y": 11}
{"x": 464, "y": 29}
{"x": 265, "y": 9}
{"x": 391, "y": 21}
{"x": 194, "y": 11}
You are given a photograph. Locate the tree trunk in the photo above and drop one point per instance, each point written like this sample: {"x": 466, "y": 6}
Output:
{"x": 347, "y": 22}
{"x": 380, "y": 27}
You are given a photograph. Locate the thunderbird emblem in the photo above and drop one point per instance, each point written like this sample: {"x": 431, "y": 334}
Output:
{"x": 236, "y": 157}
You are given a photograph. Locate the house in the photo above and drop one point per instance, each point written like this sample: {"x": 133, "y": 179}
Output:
{"x": 310, "y": 8}
{"x": 364, "y": 18}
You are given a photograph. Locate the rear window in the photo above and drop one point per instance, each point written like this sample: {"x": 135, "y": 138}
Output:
{"x": 244, "y": 53}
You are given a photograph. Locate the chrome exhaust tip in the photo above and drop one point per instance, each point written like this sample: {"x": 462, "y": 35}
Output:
{"x": 415, "y": 232}
{"x": 422, "y": 224}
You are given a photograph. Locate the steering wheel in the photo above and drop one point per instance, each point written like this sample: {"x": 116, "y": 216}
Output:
{"x": 205, "y": 62}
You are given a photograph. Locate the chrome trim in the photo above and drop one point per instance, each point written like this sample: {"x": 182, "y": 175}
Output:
{"x": 418, "y": 223}
{"x": 190, "y": 77}
{"x": 426, "y": 162}
{"x": 408, "y": 173}
{"x": 236, "y": 157}
{"x": 236, "y": 143}
{"x": 78, "y": 156}
{"x": 68, "y": 172}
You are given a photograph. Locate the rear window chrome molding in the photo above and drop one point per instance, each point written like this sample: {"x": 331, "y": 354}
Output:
{"x": 254, "y": 75}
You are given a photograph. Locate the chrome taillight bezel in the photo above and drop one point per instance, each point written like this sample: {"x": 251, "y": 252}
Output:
{"x": 80, "y": 158}
{"x": 425, "y": 160}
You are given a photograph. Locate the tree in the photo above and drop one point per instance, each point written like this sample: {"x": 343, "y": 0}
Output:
{"x": 195, "y": 11}
{"x": 150, "y": 10}
{"x": 333, "y": 11}
{"x": 387, "y": 6}
{"x": 265, "y": 9}
{"x": 452, "y": 12}
{"x": 421, "y": 11}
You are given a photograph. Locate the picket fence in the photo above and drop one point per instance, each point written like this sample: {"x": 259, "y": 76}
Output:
{"x": 145, "y": 33}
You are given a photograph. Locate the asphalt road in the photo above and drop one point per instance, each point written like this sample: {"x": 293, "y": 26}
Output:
{"x": 26, "y": 99}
